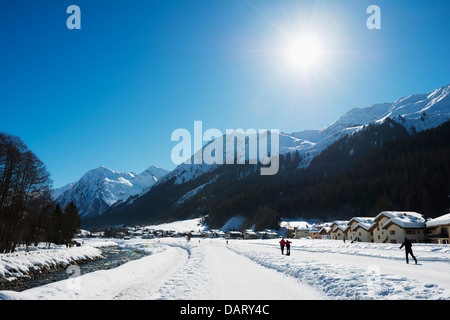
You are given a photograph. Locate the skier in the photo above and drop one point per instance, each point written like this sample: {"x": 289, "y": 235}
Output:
{"x": 282, "y": 243}
{"x": 288, "y": 247}
{"x": 407, "y": 244}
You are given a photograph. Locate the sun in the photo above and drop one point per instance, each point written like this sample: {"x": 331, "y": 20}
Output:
{"x": 304, "y": 52}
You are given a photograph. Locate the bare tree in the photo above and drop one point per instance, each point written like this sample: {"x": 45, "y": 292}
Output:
{"x": 23, "y": 181}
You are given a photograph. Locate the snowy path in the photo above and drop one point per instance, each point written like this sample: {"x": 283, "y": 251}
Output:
{"x": 255, "y": 269}
{"x": 154, "y": 276}
{"x": 215, "y": 272}
{"x": 238, "y": 277}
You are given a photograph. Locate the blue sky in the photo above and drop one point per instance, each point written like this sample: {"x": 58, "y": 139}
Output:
{"x": 113, "y": 92}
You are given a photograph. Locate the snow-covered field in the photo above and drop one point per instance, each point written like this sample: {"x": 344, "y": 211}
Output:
{"x": 211, "y": 269}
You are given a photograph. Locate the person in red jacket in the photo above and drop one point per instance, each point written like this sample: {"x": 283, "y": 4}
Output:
{"x": 282, "y": 243}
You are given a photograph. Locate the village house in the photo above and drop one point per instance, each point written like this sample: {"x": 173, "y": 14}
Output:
{"x": 325, "y": 233}
{"x": 216, "y": 233}
{"x": 233, "y": 235}
{"x": 438, "y": 229}
{"x": 301, "y": 232}
{"x": 395, "y": 226}
{"x": 314, "y": 233}
{"x": 267, "y": 234}
{"x": 358, "y": 229}
{"x": 249, "y": 234}
{"x": 338, "y": 230}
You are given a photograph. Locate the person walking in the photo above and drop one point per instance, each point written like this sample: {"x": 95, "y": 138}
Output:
{"x": 408, "y": 250}
{"x": 288, "y": 247}
{"x": 282, "y": 244}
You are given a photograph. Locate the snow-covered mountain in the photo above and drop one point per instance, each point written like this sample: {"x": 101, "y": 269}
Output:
{"x": 100, "y": 188}
{"x": 182, "y": 191}
{"x": 416, "y": 113}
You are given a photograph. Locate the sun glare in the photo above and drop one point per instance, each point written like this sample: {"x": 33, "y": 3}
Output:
{"x": 303, "y": 53}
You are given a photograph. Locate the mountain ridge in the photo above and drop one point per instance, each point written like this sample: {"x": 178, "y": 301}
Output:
{"x": 407, "y": 111}
{"x": 100, "y": 188}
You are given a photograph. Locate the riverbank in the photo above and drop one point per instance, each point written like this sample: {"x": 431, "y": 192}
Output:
{"x": 30, "y": 263}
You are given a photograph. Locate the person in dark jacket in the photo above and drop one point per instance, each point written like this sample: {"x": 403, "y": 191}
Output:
{"x": 408, "y": 249}
{"x": 288, "y": 248}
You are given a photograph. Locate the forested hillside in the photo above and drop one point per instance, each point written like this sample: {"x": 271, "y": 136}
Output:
{"x": 407, "y": 174}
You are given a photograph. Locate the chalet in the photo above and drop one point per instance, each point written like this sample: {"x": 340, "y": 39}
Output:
{"x": 438, "y": 229}
{"x": 395, "y": 226}
{"x": 338, "y": 230}
{"x": 314, "y": 233}
{"x": 359, "y": 229}
{"x": 233, "y": 235}
{"x": 325, "y": 233}
{"x": 249, "y": 234}
{"x": 215, "y": 233}
{"x": 301, "y": 232}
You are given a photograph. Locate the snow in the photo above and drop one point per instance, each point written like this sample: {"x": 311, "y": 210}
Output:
{"x": 233, "y": 223}
{"x": 102, "y": 187}
{"x": 403, "y": 219}
{"x": 211, "y": 269}
{"x": 299, "y": 224}
{"x": 194, "y": 191}
{"x": 21, "y": 262}
{"x": 340, "y": 224}
{"x": 363, "y": 222}
{"x": 442, "y": 220}
{"x": 180, "y": 226}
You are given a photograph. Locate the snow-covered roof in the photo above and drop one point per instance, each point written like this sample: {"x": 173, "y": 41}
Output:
{"x": 363, "y": 222}
{"x": 339, "y": 224}
{"x": 267, "y": 232}
{"x": 324, "y": 224}
{"x": 291, "y": 224}
{"x": 325, "y": 229}
{"x": 216, "y": 231}
{"x": 404, "y": 219}
{"x": 439, "y": 221}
